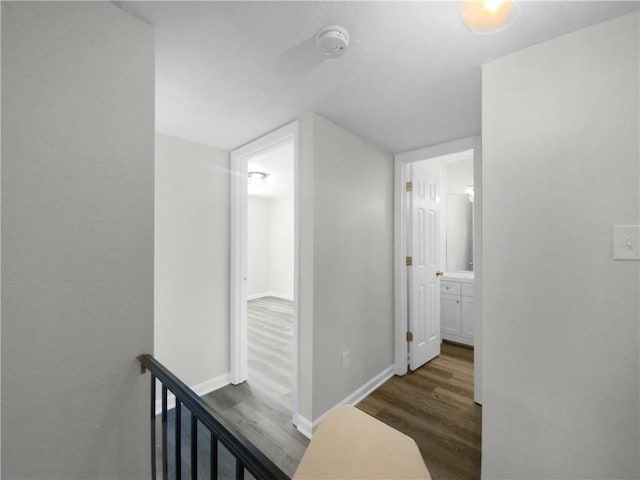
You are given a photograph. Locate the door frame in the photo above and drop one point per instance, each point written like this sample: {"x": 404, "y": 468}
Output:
{"x": 238, "y": 268}
{"x": 401, "y": 160}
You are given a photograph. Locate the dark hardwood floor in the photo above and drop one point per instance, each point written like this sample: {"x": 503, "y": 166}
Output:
{"x": 226, "y": 461}
{"x": 434, "y": 405}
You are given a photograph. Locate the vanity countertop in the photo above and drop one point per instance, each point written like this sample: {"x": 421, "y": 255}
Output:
{"x": 458, "y": 276}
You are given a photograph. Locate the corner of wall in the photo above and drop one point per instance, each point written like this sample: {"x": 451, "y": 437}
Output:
{"x": 306, "y": 258}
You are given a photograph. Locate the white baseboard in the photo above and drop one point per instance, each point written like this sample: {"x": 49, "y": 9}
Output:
{"x": 360, "y": 394}
{"x": 284, "y": 296}
{"x": 307, "y": 427}
{"x": 200, "y": 390}
{"x": 304, "y": 426}
{"x": 458, "y": 339}
{"x": 253, "y": 296}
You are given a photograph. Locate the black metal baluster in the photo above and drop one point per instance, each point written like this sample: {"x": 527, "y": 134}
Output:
{"x": 165, "y": 459}
{"x": 214, "y": 457}
{"x": 178, "y": 432}
{"x": 194, "y": 447}
{"x": 153, "y": 427}
{"x": 248, "y": 457}
{"x": 239, "y": 470}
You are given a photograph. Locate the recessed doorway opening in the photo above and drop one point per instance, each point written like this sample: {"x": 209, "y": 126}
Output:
{"x": 421, "y": 231}
{"x": 270, "y": 277}
{"x": 264, "y": 267}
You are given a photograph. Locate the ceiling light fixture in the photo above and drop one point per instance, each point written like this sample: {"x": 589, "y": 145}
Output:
{"x": 487, "y": 16}
{"x": 333, "y": 41}
{"x": 257, "y": 178}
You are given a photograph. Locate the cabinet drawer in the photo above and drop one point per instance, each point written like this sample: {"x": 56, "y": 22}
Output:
{"x": 467, "y": 289}
{"x": 450, "y": 288}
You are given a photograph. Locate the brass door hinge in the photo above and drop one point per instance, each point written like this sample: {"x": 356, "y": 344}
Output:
{"x": 409, "y": 186}
{"x": 409, "y": 336}
{"x": 409, "y": 261}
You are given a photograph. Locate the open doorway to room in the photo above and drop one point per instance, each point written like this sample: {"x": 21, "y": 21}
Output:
{"x": 270, "y": 272}
{"x": 264, "y": 284}
{"x": 450, "y": 175}
{"x": 435, "y": 395}
{"x": 265, "y": 266}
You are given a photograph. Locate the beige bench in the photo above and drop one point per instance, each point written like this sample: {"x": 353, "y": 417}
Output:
{"x": 349, "y": 444}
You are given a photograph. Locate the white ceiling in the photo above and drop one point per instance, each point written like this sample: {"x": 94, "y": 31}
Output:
{"x": 228, "y": 72}
{"x": 278, "y": 164}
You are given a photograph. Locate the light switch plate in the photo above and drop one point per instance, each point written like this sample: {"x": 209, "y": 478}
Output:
{"x": 626, "y": 242}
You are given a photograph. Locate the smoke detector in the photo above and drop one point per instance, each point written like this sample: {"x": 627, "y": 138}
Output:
{"x": 332, "y": 41}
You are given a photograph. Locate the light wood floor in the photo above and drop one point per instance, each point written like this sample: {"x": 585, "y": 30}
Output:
{"x": 270, "y": 347}
{"x": 434, "y": 405}
{"x": 260, "y": 408}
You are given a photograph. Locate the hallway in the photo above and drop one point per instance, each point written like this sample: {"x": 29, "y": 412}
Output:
{"x": 434, "y": 405}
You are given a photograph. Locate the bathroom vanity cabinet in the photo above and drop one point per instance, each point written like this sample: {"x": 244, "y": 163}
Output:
{"x": 457, "y": 309}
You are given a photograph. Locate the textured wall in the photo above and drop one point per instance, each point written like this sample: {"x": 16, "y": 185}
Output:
{"x": 258, "y": 245}
{"x": 281, "y": 243}
{"x": 560, "y": 167}
{"x": 77, "y": 240}
{"x": 192, "y": 259}
{"x": 353, "y": 260}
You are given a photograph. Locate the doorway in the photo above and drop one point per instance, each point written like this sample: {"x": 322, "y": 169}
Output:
{"x": 270, "y": 245}
{"x": 264, "y": 265}
{"x": 405, "y": 164}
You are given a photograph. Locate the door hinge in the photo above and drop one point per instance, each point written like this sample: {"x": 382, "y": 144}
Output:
{"x": 409, "y": 261}
{"x": 409, "y": 186}
{"x": 409, "y": 336}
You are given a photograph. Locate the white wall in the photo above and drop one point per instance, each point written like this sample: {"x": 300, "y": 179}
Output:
{"x": 560, "y": 166}
{"x": 270, "y": 239}
{"x": 281, "y": 243}
{"x": 258, "y": 245}
{"x": 306, "y": 240}
{"x": 478, "y": 271}
{"x": 459, "y": 175}
{"x": 192, "y": 259}
{"x": 77, "y": 240}
{"x": 352, "y": 269}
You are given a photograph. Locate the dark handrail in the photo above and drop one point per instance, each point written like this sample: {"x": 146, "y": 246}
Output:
{"x": 246, "y": 454}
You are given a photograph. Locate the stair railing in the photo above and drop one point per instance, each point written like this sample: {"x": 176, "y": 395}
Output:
{"x": 247, "y": 456}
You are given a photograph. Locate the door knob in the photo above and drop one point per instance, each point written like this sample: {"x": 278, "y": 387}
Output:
{"x": 439, "y": 274}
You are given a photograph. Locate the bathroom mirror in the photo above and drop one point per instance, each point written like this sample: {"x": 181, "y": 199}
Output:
{"x": 459, "y": 213}
{"x": 459, "y": 233}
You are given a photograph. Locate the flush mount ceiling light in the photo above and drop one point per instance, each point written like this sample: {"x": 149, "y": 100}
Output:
{"x": 487, "y": 16}
{"x": 257, "y": 178}
{"x": 332, "y": 41}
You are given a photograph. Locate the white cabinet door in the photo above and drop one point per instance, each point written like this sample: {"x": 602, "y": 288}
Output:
{"x": 450, "y": 314}
{"x": 467, "y": 310}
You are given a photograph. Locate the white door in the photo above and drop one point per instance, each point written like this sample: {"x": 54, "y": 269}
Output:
{"x": 424, "y": 285}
